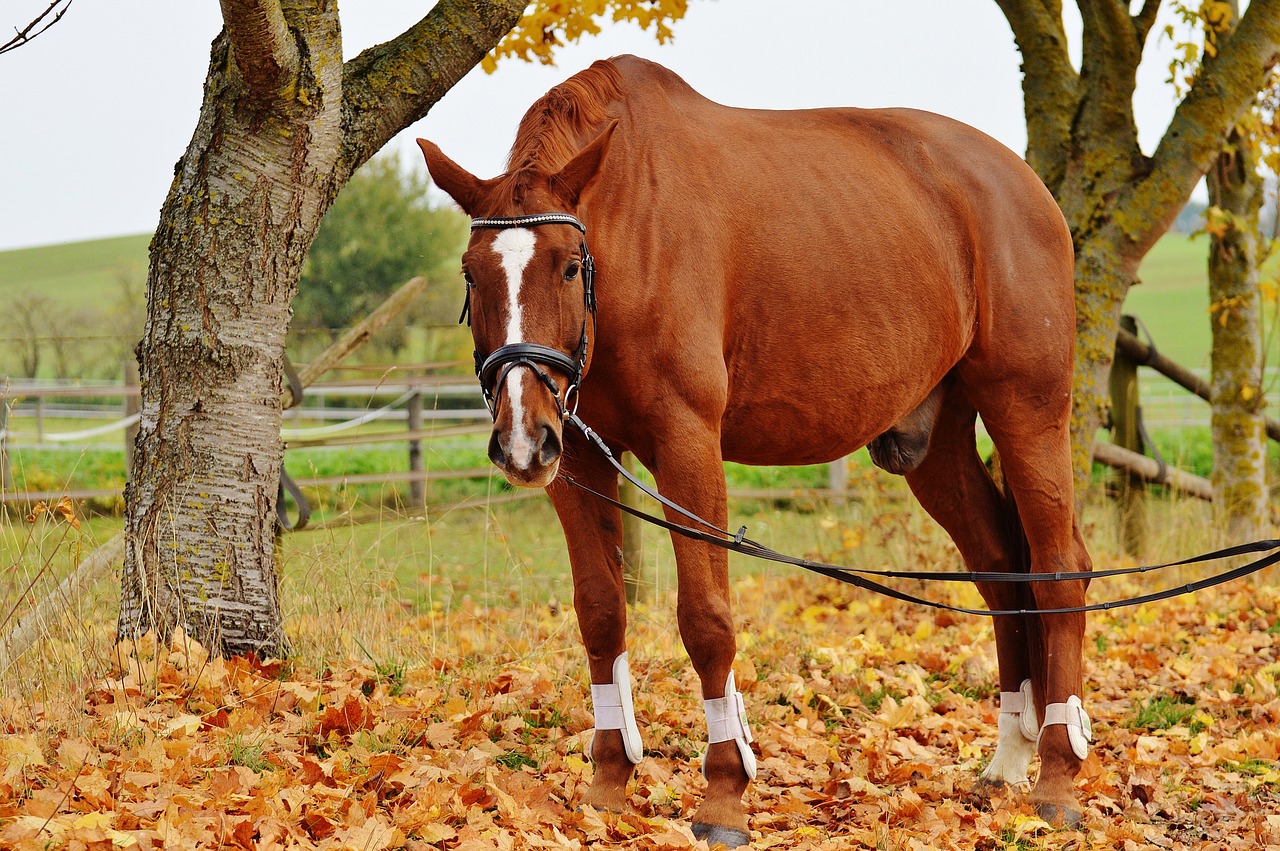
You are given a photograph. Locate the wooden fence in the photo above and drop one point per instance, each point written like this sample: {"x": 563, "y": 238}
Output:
{"x": 417, "y": 391}
{"x": 1129, "y": 441}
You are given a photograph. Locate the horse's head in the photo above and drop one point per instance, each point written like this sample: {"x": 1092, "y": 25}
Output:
{"x": 528, "y": 276}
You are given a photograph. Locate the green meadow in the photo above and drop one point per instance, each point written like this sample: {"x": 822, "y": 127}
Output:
{"x": 75, "y": 273}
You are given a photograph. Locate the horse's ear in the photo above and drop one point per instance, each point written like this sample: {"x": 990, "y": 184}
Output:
{"x": 461, "y": 185}
{"x": 569, "y": 182}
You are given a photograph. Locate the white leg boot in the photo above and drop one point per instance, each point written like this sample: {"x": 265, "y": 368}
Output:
{"x": 1019, "y": 733}
{"x": 614, "y": 710}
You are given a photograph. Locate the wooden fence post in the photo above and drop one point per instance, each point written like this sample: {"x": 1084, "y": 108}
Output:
{"x": 838, "y": 479}
{"x": 1131, "y": 502}
{"x": 639, "y": 587}
{"x": 417, "y": 486}
{"x": 6, "y": 474}
{"x": 132, "y": 405}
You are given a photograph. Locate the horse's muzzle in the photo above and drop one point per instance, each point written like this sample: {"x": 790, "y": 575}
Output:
{"x": 528, "y": 458}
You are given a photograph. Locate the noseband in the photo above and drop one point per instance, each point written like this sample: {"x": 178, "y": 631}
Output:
{"x": 493, "y": 369}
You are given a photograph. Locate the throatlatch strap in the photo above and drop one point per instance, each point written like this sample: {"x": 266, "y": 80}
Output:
{"x": 614, "y": 709}
{"x": 1022, "y": 704}
{"x": 727, "y": 722}
{"x": 1071, "y": 715}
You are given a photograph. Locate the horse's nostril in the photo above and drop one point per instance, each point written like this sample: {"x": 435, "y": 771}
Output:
{"x": 548, "y": 446}
{"x": 496, "y": 455}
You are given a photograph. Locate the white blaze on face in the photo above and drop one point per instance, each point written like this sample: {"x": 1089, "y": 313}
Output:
{"x": 515, "y": 248}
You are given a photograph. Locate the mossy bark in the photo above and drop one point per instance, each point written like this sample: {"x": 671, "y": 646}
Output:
{"x": 283, "y": 125}
{"x": 1237, "y": 423}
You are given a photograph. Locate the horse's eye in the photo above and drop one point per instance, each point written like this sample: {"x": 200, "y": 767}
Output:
{"x": 466, "y": 276}
{"x": 571, "y": 271}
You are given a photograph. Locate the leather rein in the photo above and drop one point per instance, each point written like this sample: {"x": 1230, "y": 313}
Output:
{"x": 493, "y": 369}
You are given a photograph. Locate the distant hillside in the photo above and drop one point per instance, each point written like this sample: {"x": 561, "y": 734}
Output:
{"x": 79, "y": 273}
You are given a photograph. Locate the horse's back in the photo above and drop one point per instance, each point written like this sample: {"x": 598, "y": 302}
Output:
{"x": 850, "y": 257}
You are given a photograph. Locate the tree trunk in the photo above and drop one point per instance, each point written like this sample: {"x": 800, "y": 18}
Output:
{"x": 1082, "y": 141}
{"x": 283, "y": 125}
{"x": 1238, "y": 425}
{"x": 242, "y": 211}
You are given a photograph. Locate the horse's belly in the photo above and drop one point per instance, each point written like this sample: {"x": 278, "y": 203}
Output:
{"x": 808, "y": 430}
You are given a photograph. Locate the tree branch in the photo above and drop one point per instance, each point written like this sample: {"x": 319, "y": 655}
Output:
{"x": 1110, "y": 55}
{"x": 1050, "y": 85}
{"x": 1145, "y": 19}
{"x": 388, "y": 87}
{"x": 1222, "y": 93}
{"x": 25, "y": 34}
{"x": 263, "y": 47}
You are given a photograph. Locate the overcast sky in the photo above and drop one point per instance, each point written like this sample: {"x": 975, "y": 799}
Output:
{"x": 95, "y": 112}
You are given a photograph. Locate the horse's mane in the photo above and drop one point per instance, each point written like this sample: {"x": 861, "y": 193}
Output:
{"x": 561, "y": 123}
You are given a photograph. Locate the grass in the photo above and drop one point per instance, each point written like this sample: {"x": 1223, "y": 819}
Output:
{"x": 1172, "y": 298}
{"x": 1162, "y": 713}
{"x": 399, "y": 566}
{"x": 75, "y": 273}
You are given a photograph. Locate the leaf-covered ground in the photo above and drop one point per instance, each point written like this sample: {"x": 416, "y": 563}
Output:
{"x": 872, "y": 721}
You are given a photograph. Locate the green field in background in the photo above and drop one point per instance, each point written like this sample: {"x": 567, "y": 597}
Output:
{"x": 78, "y": 274}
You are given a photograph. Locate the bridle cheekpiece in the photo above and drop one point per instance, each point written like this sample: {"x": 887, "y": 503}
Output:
{"x": 493, "y": 369}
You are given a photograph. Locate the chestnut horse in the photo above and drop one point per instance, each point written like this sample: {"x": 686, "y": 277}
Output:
{"x": 781, "y": 287}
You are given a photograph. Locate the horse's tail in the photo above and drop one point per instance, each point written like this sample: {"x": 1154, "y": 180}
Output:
{"x": 1020, "y": 561}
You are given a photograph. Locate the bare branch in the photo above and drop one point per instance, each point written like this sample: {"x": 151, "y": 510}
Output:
{"x": 29, "y": 32}
{"x": 388, "y": 87}
{"x": 1223, "y": 91}
{"x": 262, "y": 45}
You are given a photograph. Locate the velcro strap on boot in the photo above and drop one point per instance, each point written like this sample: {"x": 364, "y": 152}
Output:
{"x": 727, "y": 722}
{"x": 1022, "y": 704}
{"x": 1071, "y": 715}
{"x": 614, "y": 709}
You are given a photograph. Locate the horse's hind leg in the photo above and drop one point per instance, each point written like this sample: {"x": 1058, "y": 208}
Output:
{"x": 1032, "y": 434}
{"x": 952, "y": 484}
{"x": 593, "y": 532}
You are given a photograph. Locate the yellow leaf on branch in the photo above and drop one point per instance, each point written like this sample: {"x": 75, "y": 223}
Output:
{"x": 549, "y": 25}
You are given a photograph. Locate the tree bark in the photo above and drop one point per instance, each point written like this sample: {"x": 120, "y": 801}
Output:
{"x": 1083, "y": 143}
{"x": 1237, "y": 422}
{"x": 282, "y": 126}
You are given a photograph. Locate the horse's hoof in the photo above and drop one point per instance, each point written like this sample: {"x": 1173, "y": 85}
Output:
{"x": 1060, "y": 815}
{"x": 715, "y": 834}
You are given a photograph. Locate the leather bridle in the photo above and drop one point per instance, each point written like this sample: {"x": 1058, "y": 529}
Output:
{"x": 493, "y": 369}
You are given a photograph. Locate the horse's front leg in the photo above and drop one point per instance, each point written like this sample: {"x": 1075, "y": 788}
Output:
{"x": 593, "y": 532}
{"x": 689, "y": 472}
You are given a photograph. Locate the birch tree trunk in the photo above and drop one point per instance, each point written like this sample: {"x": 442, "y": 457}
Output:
{"x": 1237, "y": 422}
{"x": 1082, "y": 141}
{"x": 283, "y": 125}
